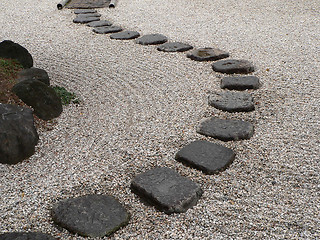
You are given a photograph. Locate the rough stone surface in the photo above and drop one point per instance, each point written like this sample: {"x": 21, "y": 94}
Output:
{"x": 225, "y": 129}
{"x": 83, "y": 11}
{"x": 207, "y": 54}
{"x": 9, "y": 49}
{"x": 85, "y": 19}
{"x": 240, "y": 83}
{"x": 91, "y": 215}
{"x": 233, "y": 66}
{"x": 107, "y": 29}
{"x": 87, "y": 15}
{"x": 18, "y": 135}
{"x": 152, "y": 39}
{"x": 232, "y": 101}
{"x": 34, "y": 73}
{"x": 174, "y": 47}
{"x": 100, "y": 23}
{"x": 166, "y": 190}
{"x": 125, "y": 35}
{"x": 42, "y": 98}
{"x": 208, "y": 157}
{"x": 88, "y": 4}
{"x": 26, "y": 236}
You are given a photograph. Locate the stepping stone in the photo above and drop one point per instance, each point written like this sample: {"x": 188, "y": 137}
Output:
{"x": 125, "y": 35}
{"x": 34, "y": 73}
{"x": 174, "y": 47}
{"x": 233, "y": 66}
{"x": 107, "y": 29}
{"x": 85, "y": 19}
{"x": 166, "y": 190}
{"x": 207, "y": 54}
{"x": 225, "y": 130}
{"x": 208, "y": 157}
{"x": 82, "y": 11}
{"x": 152, "y": 39}
{"x": 100, "y": 23}
{"x": 232, "y": 101}
{"x": 85, "y": 15}
{"x": 240, "y": 83}
{"x": 90, "y": 215}
{"x": 26, "y": 236}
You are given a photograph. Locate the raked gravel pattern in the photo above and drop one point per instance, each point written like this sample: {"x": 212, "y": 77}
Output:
{"x": 140, "y": 106}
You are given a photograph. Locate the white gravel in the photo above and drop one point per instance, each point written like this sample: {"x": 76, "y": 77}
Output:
{"x": 140, "y": 106}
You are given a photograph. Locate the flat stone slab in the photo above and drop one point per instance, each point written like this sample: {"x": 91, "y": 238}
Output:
{"x": 86, "y": 15}
{"x": 207, "y": 54}
{"x": 208, "y": 157}
{"x": 26, "y": 236}
{"x": 174, "y": 47}
{"x": 240, "y": 83}
{"x": 166, "y": 190}
{"x": 125, "y": 35}
{"x": 232, "y": 101}
{"x": 90, "y": 215}
{"x": 231, "y": 66}
{"x": 107, "y": 29}
{"x": 85, "y": 19}
{"x": 152, "y": 39}
{"x": 88, "y": 4}
{"x": 82, "y": 11}
{"x": 225, "y": 129}
{"x": 101, "y": 23}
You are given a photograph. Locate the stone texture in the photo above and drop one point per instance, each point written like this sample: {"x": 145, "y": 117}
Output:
{"x": 88, "y": 4}
{"x": 86, "y": 15}
{"x": 26, "y": 236}
{"x": 232, "y": 101}
{"x": 42, "y": 98}
{"x": 90, "y": 215}
{"x": 240, "y": 83}
{"x": 231, "y": 66}
{"x": 34, "y": 73}
{"x": 18, "y": 135}
{"x": 208, "y": 157}
{"x": 166, "y": 190}
{"x": 85, "y": 19}
{"x": 125, "y": 35}
{"x": 207, "y": 54}
{"x": 9, "y": 49}
{"x": 225, "y": 129}
{"x": 107, "y": 29}
{"x": 152, "y": 39}
{"x": 100, "y": 23}
{"x": 83, "y": 11}
{"x": 174, "y": 47}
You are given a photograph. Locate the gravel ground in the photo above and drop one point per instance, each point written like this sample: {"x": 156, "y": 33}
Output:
{"x": 140, "y": 106}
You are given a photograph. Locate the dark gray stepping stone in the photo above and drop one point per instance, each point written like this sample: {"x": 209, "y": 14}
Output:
{"x": 34, "y": 73}
{"x": 152, "y": 39}
{"x": 207, "y": 54}
{"x": 90, "y": 215}
{"x": 225, "y": 129}
{"x": 26, "y": 236}
{"x": 208, "y": 157}
{"x": 82, "y": 11}
{"x": 232, "y": 101}
{"x": 174, "y": 47}
{"x": 240, "y": 83}
{"x": 233, "y": 66}
{"x": 125, "y": 35}
{"x": 166, "y": 190}
{"x": 100, "y": 23}
{"x": 86, "y": 15}
{"x": 107, "y": 29}
{"x": 85, "y": 19}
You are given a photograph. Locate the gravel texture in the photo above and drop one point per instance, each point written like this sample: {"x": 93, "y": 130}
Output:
{"x": 140, "y": 106}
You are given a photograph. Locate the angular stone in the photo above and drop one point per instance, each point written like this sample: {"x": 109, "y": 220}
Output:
{"x": 174, "y": 47}
{"x": 83, "y": 11}
{"x": 100, "y": 23}
{"x": 232, "y": 101}
{"x": 166, "y": 190}
{"x": 85, "y": 19}
{"x": 125, "y": 35}
{"x": 207, "y": 54}
{"x": 90, "y": 215}
{"x": 34, "y": 73}
{"x": 26, "y": 236}
{"x": 208, "y": 157}
{"x": 240, "y": 83}
{"x": 225, "y": 129}
{"x": 152, "y": 39}
{"x": 86, "y": 15}
{"x": 233, "y": 66}
{"x": 107, "y": 29}
{"x": 18, "y": 135}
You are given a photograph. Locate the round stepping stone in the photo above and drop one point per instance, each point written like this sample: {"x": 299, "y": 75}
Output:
{"x": 90, "y": 215}
{"x": 107, "y": 29}
{"x": 207, "y": 54}
{"x": 208, "y": 157}
{"x": 225, "y": 129}
{"x": 174, "y": 47}
{"x": 166, "y": 190}
{"x": 89, "y": 15}
{"x": 233, "y": 66}
{"x": 125, "y": 35}
{"x": 240, "y": 83}
{"x": 100, "y": 23}
{"x": 26, "y": 236}
{"x": 82, "y": 11}
{"x": 232, "y": 101}
{"x": 85, "y": 19}
{"x": 152, "y": 39}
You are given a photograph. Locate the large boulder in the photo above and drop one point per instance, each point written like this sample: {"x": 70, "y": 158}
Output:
{"x": 18, "y": 135}
{"x": 34, "y": 73}
{"x": 42, "y": 98}
{"x": 9, "y": 49}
